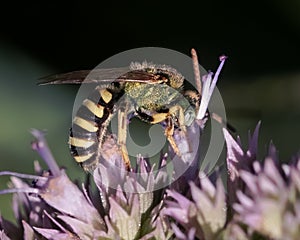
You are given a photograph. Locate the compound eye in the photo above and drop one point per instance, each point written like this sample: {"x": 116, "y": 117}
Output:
{"x": 189, "y": 116}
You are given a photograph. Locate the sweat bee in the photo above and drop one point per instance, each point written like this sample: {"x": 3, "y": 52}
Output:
{"x": 156, "y": 94}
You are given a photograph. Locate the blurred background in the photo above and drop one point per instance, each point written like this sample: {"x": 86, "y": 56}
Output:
{"x": 260, "y": 81}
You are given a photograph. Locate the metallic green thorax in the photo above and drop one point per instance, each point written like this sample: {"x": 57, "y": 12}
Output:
{"x": 151, "y": 97}
{"x": 159, "y": 96}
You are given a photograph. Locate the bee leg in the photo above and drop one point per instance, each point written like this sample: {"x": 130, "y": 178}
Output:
{"x": 178, "y": 112}
{"x": 122, "y": 134}
{"x": 175, "y": 114}
{"x": 169, "y": 131}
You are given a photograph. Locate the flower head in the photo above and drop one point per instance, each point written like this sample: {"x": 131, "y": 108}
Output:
{"x": 150, "y": 201}
{"x": 271, "y": 202}
{"x": 56, "y": 208}
{"x": 204, "y": 214}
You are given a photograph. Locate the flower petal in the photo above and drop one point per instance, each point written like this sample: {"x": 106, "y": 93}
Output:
{"x": 65, "y": 196}
{"x": 55, "y": 234}
{"x": 28, "y": 232}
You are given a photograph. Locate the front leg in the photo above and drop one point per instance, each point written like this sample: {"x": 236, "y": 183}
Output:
{"x": 169, "y": 131}
{"x": 173, "y": 115}
{"x": 176, "y": 114}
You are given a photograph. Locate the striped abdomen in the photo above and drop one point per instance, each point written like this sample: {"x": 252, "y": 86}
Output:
{"x": 90, "y": 124}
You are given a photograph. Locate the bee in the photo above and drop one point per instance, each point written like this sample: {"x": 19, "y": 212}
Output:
{"x": 156, "y": 94}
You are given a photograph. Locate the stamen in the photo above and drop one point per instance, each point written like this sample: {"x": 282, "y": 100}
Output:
{"x": 209, "y": 85}
{"x": 22, "y": 175}
{"x": 41, "y": 146}
{"x": 20, "y": 190}
{"x": 163, "y": 160}
{"x": 197, "y": 72}
{"x": 214, "y": 81}
{"x": 84, "y": 190}
{"x": 205, "y": 96}
{"x": 55, "y": 222}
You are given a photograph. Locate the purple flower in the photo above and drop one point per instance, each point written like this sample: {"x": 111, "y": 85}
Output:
{"x": 264, "y": 195}
{"x": 237, "y": 159}
{"x": 56, "y": 208}
{"x": 151, "y": 201}
{"x": 265, "y": 199}
{"x": 271, "y": 204}
{"x": 204, "y": 214}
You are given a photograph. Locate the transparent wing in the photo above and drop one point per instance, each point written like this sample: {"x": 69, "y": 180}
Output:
{"x": 100, "y": 76}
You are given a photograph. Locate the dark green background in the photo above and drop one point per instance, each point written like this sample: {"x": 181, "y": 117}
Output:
{"x": 261, "y": 80}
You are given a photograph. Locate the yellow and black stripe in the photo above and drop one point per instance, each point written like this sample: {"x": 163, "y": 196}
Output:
{"x": 90, "y": 125}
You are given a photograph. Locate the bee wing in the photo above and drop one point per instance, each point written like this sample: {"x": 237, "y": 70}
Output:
{"x": 100, "y": 76}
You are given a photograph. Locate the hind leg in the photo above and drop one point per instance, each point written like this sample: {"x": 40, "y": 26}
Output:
{"x": 122, "y": 134}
